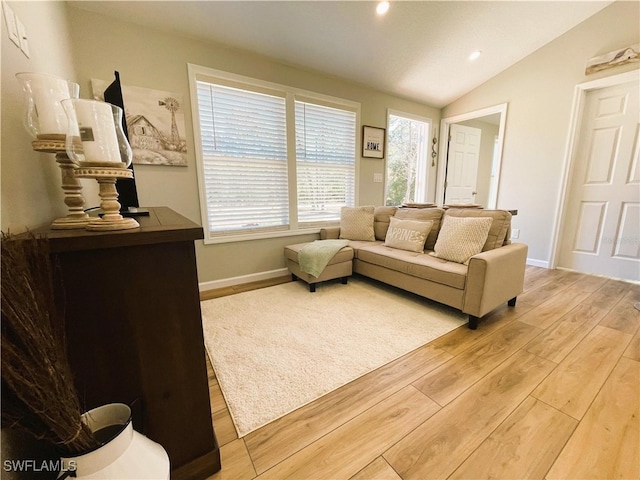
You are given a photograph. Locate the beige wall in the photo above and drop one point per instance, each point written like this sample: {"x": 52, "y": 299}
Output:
{"x": 31, "y": 193}
{"x": 539, "y": 91}
{"x": 99, "y": 45}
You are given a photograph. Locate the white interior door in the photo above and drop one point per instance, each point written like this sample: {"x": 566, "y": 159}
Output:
{"x": 462, "y": 164}
{"x": 601, "y": 233}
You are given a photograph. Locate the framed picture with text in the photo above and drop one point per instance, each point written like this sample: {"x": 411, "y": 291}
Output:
{"x": 372, "y": 142}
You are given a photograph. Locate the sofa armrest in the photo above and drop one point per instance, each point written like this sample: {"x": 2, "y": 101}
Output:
{"x": 329, "y": 233}
{"x": 494, "y": 277}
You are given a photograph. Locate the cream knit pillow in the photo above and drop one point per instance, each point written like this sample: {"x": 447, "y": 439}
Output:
{"x": 407, "y": 234}
{"x": 460, "y": 238}
{"x": 356, "y": 223}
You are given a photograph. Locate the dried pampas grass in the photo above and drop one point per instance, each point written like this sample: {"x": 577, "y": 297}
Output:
{"x": 37, "y": 385}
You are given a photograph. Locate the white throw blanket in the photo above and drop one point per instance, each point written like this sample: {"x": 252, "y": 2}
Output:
{"x": 314, "y": 257}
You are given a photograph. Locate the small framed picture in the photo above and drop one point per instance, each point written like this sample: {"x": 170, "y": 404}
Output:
{"x": 372, "y": 142}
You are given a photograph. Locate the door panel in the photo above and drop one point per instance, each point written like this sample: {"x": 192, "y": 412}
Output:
{"x": 602, "y": 155}
{"x": 589, "y": 228}
{"x": 627, "y": 244}
{"x": 634, "y": 170}
{"x": 601, "y": 232}
{"x": 462, "y": 167}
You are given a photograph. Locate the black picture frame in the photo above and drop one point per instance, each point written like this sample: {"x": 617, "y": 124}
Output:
{"x": 373, "y": 142}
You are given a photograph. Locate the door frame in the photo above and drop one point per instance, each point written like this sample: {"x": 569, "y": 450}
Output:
{"x": 575, "y": 124}
{"x": 445, "y": 125}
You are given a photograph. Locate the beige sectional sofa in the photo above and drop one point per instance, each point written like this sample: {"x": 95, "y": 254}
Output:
{"x": 476, "y": 287}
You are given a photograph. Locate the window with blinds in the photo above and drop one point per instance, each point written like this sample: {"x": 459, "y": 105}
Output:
{"x": 325, "y": 162}
{"x": 244, "y": 153}
{"x": 271, "y": 158}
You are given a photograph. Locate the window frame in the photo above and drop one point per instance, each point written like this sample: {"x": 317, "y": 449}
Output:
{"x": 199, "y": 73}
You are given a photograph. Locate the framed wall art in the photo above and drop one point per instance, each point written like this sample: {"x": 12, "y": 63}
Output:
{"x": 155, "y": 121}
{"x": 622, "y": 56}
{"x": 372, "y": 142}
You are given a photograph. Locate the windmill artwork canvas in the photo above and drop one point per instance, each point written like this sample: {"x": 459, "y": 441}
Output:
{"x": 155, "y": 123}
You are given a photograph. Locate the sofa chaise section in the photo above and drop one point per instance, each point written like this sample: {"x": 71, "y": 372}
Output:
{"x": 340, "y": 266}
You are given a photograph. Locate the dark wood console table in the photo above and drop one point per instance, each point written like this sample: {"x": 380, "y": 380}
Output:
{"x": 134, "y": 331}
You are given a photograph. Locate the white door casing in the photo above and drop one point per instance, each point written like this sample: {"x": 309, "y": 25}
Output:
{"x": 601, "y": 223}
{"x": 462, "y": 164}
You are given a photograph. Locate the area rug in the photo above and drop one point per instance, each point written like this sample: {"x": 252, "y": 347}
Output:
{"x": 278, "y": 348}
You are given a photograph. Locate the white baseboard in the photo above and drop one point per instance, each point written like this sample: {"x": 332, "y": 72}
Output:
{"x": 537, "y": 263}
{"x": 230, "y": 282}
{"x": 618, "y": 279}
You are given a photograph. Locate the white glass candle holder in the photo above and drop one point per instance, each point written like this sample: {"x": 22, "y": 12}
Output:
{"x": 46, "y": 121}
{"x": 44, "y": 116}
{"x": 97, "y": 143}
{"x": 95, "y": 136}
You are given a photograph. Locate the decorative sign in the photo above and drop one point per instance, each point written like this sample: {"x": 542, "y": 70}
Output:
{"x": 613, "y": 59}
{"x": 372, "y": 142}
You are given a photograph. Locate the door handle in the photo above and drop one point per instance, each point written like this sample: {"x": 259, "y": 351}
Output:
{"x": 474, "y": 193}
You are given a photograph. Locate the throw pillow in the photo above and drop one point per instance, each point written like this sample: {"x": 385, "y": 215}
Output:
{"x": 460, "y": 238}
{"x": 407, "y": 234}
{"x": 356, "y": 223}
{"x": 499, "y": 231}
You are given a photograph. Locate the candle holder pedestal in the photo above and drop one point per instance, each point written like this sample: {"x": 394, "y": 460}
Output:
{"x": 73, "y": 199}
{"x": 106, "y": 175}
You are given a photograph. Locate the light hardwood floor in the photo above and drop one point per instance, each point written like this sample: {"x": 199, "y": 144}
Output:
{"x": 547, "y": 389}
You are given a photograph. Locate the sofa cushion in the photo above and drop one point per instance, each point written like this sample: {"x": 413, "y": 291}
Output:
{"x": 415, "y": 264}
{"x": 358, "y": 244}
{"x": 381, "y": 221}
{"x": 460, "y": 238}
{"x": 425, "y": 215}
{"x": 356, "y": 223}
{"x": 407, "y": 234}
{"x": 500, "y": 228}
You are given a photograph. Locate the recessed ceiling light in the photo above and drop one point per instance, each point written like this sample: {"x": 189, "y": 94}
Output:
{"x": 382, "y": 8}
{"x": 475, "y": 55}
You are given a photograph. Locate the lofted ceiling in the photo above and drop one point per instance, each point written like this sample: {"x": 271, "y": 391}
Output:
{"x": 418, "y": 50}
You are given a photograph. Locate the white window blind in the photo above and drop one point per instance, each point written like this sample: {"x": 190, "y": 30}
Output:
{"x": 244, "y": 154}
{"x": 325, "y": 162}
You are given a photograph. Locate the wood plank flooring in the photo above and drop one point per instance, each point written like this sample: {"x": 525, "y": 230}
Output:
{"x": 547, "y": 389}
